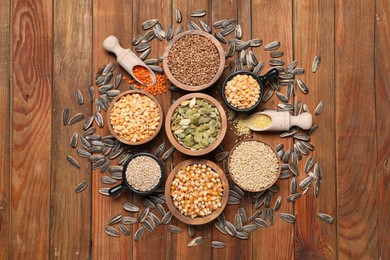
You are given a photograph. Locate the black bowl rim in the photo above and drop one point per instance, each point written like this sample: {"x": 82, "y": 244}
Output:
{"x": 127, "y": 184}
{"x": 240, "y": 72}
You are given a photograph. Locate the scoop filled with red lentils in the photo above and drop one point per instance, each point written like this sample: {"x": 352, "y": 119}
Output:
{"x": 135, "y": 117}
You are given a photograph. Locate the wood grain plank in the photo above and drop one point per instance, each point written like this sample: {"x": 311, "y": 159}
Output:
{"x": 356, "y": 131}
{"x": 179, "y": 249}
{"x": 154, "y": 245}
{"x": 5, "y": 116}
{"x": 235, "y": 247}
{"x": 314, "y": 35}
{"x": 31, "y": 124}
{"x": 382, "y": 83}
{"x": 275, "y": 23}
{"x": 70, "y": 225}
{"x": 109, "y": 18}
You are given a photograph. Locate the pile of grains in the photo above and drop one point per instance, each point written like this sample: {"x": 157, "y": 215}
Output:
{"x": 259, "y": 121}
{"x": 196, "y": 123}
{"x": 143, "y": 173}
{"x": 143, "y": 75}
{"x": 193, "y": 60}
{"x": 253, "y": 165}
{"x": 135, "y": 117}
{"x": 239, "y": 123}
{"x": 197, "y": 190}
{"x": 242, "y": 91}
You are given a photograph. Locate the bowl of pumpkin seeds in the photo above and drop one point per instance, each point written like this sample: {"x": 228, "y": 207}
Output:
{"x": 196, "y": 124}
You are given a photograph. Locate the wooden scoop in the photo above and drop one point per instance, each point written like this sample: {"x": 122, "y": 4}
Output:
{"x": 127, "y": 59}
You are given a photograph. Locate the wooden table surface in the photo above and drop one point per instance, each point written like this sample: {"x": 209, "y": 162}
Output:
{"x": 51, "y": 48}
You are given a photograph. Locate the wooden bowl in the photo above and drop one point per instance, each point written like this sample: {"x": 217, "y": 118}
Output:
{"x": 141, "y": 92}
{"x": 198, "y": 220}
{"x": 189, "y": 87}
{"x": 173, "y": 140}
{"x": 232, "y": 176}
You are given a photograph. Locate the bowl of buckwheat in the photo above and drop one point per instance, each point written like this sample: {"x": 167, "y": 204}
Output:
{"x": 134, "y": 117}
{"x": 196, "y": 191}
{"x": 243, "y": 91}
{"x": 194, "y": 60}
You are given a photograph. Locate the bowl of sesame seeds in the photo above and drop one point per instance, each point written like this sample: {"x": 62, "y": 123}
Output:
{"x": 143, "y": 173}
{"x": 254, "y": 165}
{"x": 196, "y": 191}
{"x": 134, "y": 117}
{"x": 194, "y": 60}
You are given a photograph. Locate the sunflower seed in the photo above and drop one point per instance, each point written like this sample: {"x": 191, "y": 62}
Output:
{"x": 305, "y": 183}
{"x": 76, "y": 118}
{"x": 111, "y": 231}
{"x": 83, "y": 153}
{"x": 149, "y": 24}
{"x": 316, "y": 64}
{"x": 325, "y": 217}
{"x": 148, "y": 225}
{"x": 107, "y": 180}
{"x": 272, "y": 46}
{"x": 255, "y": 215}
{"x": 276, "y": 62}
{"x": 195, "y": 242}
{"x": 179, "y": 29}
{"x": 125, "y": 231}
{"x": 260, "y": 222}
{"x": 148, "y": 203}
{"x": 217, "y": 244}
{"x": 287, "y": 217}
{"x": 293, "y": 168}
{"x": 317, "y": 171}
{"x": 115, "y": 168}
{"x": 220, "y": 227}
{"x": 230, "y": 228}
{"x": 115, "y": 219}
{"x": 228, "y": 30}
{"x": 258, "y": 68}
{"x": 228, "y": 22}
{"x": 178, "y": 16}
{"x": 319, "y": 108}
{"x": 274, "y": 188}
{"x": 74, "y": 139}
{"x": 278, "y": 203}
{"x": 165, "y": 157}
{"x": 117, "y": 175}
{"x": 312, "y": 130}
{"x": 73, "y": 162}
{"x": 250, "y": 228}
{"x": 220, "y": 37}
{"x": 238, "y": 222}
{"x": 286, "y": 156}
{"x": 238, "y": 67}
{"x": 100, "y": 71}
{"x": 302, "y": 86}
{"x": 303, "y": 137}
{"x": 294, "y": 186}
{"x": 291, "y": 132}
{"x": 291, "y": 66}
{"x": 284, "y": 175}
{"x": 104, "y": 191}
{"x": 293, "y": 197}
{"x": 137, "y": 39}
{"x": 218, "y": 24}
{"x": 243, "y": 46}
{"x": 167, "y": 218}
{"x": 65, "y": 115}
{"x": 198, "y": 13}
{"x": 130, "y": 207}
{"x": 256, "y": 42}
{"x": 84, "y": 142}
{"x": 231, "y": 50}
{"x": 79, "y": 97}
{"x": 308, "y": 145}
{"x": 82, "y": 186}
{"x": 174, "y": 229}
{"x": 138, "y": 234}
{"x": 276, "y": 54}
{"x": 309, "y": 164}
{"x": 265, "y": 214}
{"x": 149, "y": 35}
{"x": 221, "y": 156}
{"x": 238, "y": 31}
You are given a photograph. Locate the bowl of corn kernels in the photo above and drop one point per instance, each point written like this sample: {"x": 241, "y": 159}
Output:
{"x": 243, "y": 91}
{"x": 135, "y": 117}
{"x": 196, "y": 191}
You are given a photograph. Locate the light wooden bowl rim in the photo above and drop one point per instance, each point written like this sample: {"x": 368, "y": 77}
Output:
{"x": 199, "y": 220}
{"x": 141, "y": 92}
{"x": 173, "y": 140}
{"x": 256, "y": 140}
{"x": 217, "y": 45}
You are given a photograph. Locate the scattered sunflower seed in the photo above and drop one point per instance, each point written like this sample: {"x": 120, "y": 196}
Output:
{"x": 76, "y": 118}
{"x": 79, "y": 97}
{"x": 111, "y": 231}
{"x": 138, "y": 234}
{"x": 316, "y": 64}
{"x": 195, "y": 242}
{"x": 165, "y": 157}
{"x": 167, "y": 218}
{"x": 125, "y": 231}
{"x": 82, "y": 186}
{"x": 149, "y": 24}
{"x": 272, "y": 46}
{"x": 287, "y": 217}
{"x": 198, "y": 13}
{"x": 174, "y": 229}
{"x": 325, "y": 217}
{"x": 217, "y": 244}
{"x": 65, "y": 115}
{"x": 73, "y": 162}
{"x": 319, "y": 108}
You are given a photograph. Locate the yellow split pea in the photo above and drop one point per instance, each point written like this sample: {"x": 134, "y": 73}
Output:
{"x": 135, "y": 117}
{"x": 242, "y": 91}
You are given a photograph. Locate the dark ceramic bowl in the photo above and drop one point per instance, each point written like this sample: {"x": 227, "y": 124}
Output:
{"x": 125, "y": 184}
{"x": 260, "y": 79}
